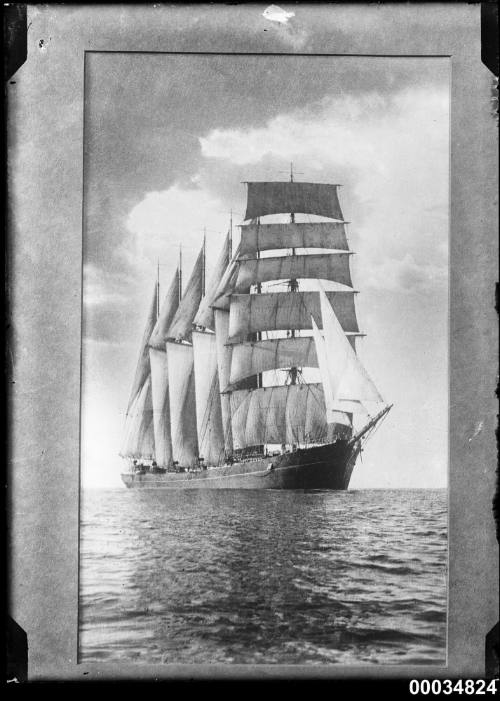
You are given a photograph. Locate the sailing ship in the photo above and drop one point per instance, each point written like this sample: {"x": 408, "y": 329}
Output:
{"x": 254, "y": 380}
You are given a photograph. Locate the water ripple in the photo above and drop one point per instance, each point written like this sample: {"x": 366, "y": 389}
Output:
{"x": 357, "y": 577}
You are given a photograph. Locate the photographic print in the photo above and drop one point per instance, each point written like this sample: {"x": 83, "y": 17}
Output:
{"x": 265, "y": 330}
{"x": 252, "y": 342}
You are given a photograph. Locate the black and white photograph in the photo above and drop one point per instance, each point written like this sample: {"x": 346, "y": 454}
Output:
{"x": 256, "y": 336}
{"x": 264, "y": 359}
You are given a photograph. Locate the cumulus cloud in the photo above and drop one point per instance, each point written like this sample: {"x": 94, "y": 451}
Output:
{"x": 164, "y": 220}
{"x": 390, "y": 152}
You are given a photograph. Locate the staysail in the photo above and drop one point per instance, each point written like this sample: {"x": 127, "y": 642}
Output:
{"x": 348, "y": 387}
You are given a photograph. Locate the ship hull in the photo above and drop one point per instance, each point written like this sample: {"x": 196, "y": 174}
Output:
{"x": 320, "y": 467}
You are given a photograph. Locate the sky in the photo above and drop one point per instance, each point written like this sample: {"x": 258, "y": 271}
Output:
{"x": 169, "y": 140}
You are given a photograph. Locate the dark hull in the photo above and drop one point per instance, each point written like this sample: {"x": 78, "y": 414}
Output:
{"x": 320, "y": 467}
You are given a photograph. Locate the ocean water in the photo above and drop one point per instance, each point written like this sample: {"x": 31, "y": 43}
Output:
{"x": 264, "y": 577}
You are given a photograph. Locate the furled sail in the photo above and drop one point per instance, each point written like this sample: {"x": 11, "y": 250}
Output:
{"x": 142, "y": 369}
{"x": 348, "y": 385}
{"x": 139, "y": 436}
{"x": 326, "y": 266}
{"x": 182, "y": 400}
{"x": 281, "y": 197}
{"x": 281, "y": 310}
{"x": 266, "y": 237}
{"x": 283, "y": 414}
{"x": 208, "y": 399}
{"x": 255, "y": 357}
{"x": 224, "y": 353}
{"x": 181, "y": 326}
{"x": 205, "y": 315}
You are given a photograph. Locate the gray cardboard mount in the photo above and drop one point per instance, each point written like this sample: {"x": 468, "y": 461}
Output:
{"x": 45, "y": 144}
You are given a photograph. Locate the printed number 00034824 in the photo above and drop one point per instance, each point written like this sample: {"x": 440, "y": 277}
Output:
{"x": 447, "y": 686}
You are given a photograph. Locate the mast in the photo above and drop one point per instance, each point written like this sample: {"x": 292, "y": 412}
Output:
{"x": 180, "y": 272}
{"x": 209, "y": 421}
{"x": 157, "y": 289}
{"x": 204, "y": 268}
{"x": 258, "y": 335}
{"x": 180, "y": 370}
{"x": 159, "y": 375}
{"x": 293, "y": 286}
{"x": 142, "y": 369}
{"x": 293, "y": 412}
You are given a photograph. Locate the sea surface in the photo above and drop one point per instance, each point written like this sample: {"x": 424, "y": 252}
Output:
{"x": 263, "y": 577}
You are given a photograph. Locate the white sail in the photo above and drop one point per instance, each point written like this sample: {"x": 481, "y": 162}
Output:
{"x": 222, "y": 294}
{"x": 161, "y": 407}
{"x": 182, "y": 323}
{"x": 253, "y": 358}
{"x": 333, "y": 412}
{"x": 208, "y": 399}
{"x": 166, "y": 316}
{"x": 280, "y": 197}
{"x": 349, "y": 387}
{"x": 356, "y": 385}
{"x": 159, "y": 374}
{"x": 290, "y": 414}
{"x": 325, "y": 266}
{"x": 266, "y": 237}
{"x": 205, "y": 315}
{"x": 182, "y": 401}
{"x": 142, "y": 369}
{"x": 224, "y": 353}
{"x": 129, "y": 427}
{"x": 139, "y": 438}
{"x": 281, "y": 310}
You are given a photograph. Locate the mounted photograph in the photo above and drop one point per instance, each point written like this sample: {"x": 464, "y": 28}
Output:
{"x": 264, "y": 398}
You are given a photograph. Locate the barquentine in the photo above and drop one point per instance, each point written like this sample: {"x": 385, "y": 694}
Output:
{"x": 253, "y": 381}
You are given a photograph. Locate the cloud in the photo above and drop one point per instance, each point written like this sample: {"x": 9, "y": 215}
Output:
{"x": 164, "y": 220}
{"x": 391, "y": 155}
{"x": 109, "y": 310}
{"x": 404, "y": 275}
{"x": 100, "y": 290}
